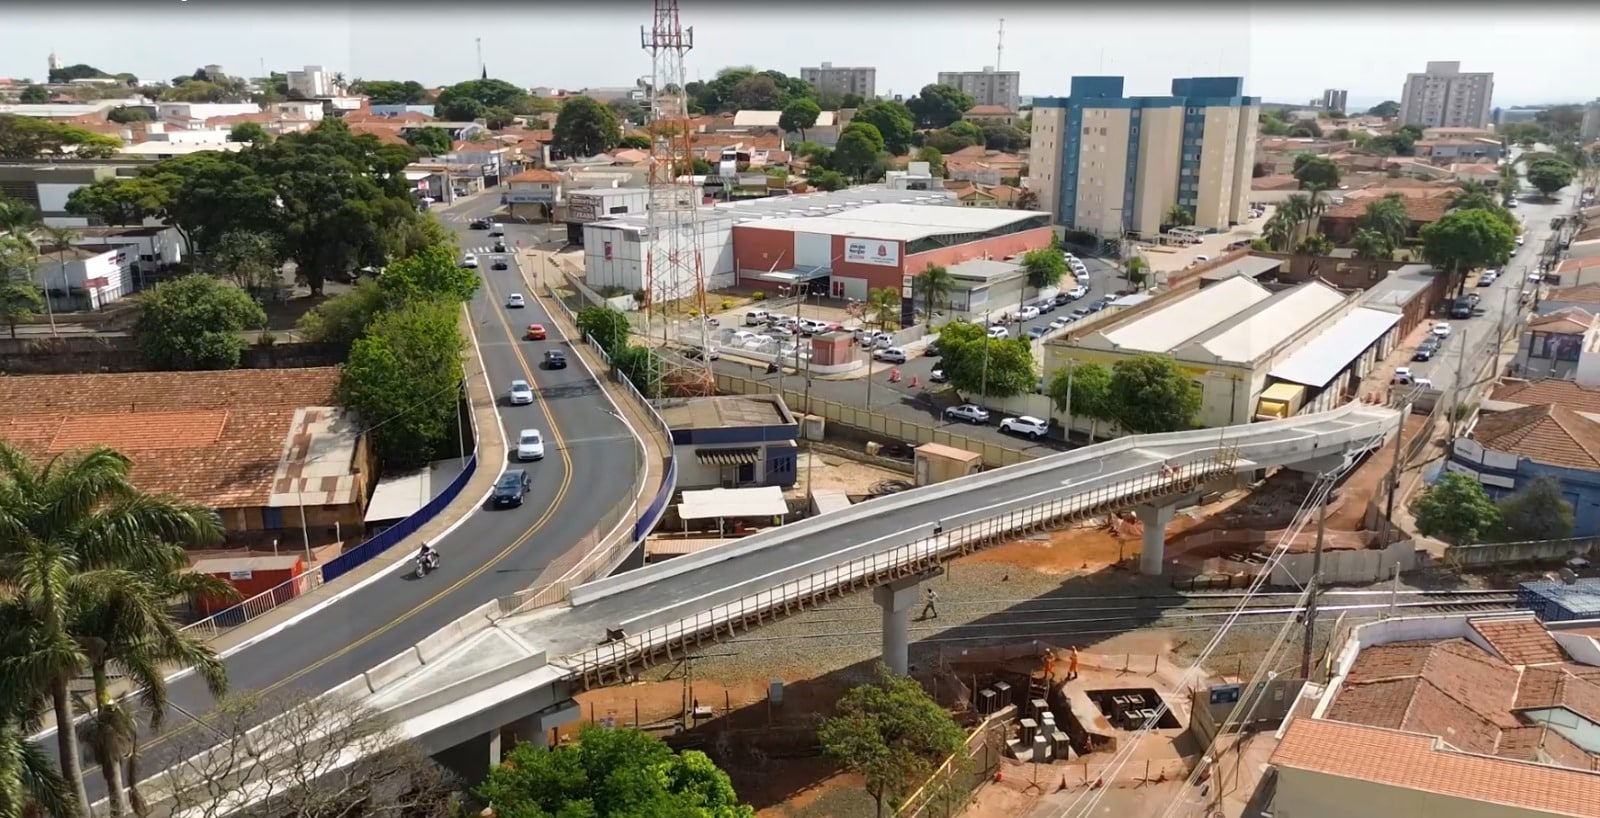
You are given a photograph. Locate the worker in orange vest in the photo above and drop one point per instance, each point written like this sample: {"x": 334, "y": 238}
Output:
{"x": 1072, "y": 664}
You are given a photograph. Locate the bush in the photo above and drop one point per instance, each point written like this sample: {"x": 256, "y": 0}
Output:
{"x": 760, "y": 295}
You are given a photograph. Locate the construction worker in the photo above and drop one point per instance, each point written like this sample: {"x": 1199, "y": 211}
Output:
{"x": 1049, "y": 665}
{"x": 1072, "y": 664}
{"x": 928, "y": 609}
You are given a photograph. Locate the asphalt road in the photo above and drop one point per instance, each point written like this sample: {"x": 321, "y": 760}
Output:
{"x": 589, "y": 467}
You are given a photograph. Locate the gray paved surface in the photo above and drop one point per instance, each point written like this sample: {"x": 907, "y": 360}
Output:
{"x": 494, "y": 553}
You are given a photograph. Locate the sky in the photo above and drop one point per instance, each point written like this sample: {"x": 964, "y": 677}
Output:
{"x": 1285, "y": 54}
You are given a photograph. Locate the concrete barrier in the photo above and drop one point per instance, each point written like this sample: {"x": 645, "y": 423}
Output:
{"x": 392, "y": 670}
{"x": 452, "y": 636}
{"x": 444, "y": 696}
{"x": 356, "y": 688}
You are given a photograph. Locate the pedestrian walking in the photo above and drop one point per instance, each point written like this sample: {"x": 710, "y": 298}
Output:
{"x": 929, "y": 611}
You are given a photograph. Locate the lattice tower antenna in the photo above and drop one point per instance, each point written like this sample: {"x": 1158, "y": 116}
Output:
{"x": 1000, "y": 45}
{"x": 674, "y": 279}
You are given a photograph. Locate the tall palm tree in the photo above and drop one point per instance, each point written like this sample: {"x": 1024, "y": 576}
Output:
{"x": 884, "y": 306}
{"x": 1387, "y": 218}
{"x": 935, "y": 284}
{"x": 71, "y": 531}
{"x": 30, "y": 784}
{"x": 18, "y": 220}
{"x": 1372, "y": 245}
{"x": 1179, "y": 216}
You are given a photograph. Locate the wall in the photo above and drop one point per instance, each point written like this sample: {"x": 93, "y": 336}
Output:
{"x": 1306, "y": 794}
{"x": 759, "y": 249}
{"x": 997, "y": 248}
{"x": 116, "y": 353}
{"x": 1214, "y": 192}
{"x": 1511, "y": 553}
{"x": 1044, "y": 157}
{"x": 1102, "y": 169}
{"x": 1160, "y": 144}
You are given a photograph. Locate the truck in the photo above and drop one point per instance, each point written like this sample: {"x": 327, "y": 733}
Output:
{"x": 1280, "y": 401}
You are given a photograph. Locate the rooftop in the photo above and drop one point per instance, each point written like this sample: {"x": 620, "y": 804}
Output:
{"x": 807, "y": 205}
{"x": 1168, "y": 327}
{"x": 1563, "y": 321}
{"x": 1544, "y": 433}
{"x": 1252, "y": 266}
{"x": 726, "y": 412}
{"x": 1573, "y": 265}
{"x": 1562, "y": 393}
{"x": 1250, "y": 335}
{"x": 243, "y": 438}
{"x": 1418, "y": 208}
{"x": 904, "y": 222}
{"x": 1318, "y": 362}
{"x": 982, "y": 269}
{"x": 1398, "y": 288}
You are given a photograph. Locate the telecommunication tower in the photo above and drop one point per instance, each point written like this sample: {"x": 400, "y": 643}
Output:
{"x": 674, "y": 279}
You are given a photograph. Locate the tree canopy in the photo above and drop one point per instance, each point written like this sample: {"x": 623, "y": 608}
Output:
{"x": 429, "y": 141}
{"x": 1387, "y": 109}
{"x": 26, "y": 137}
{"x": 892, "y": 734}
{"x": 1466, "y": 240}
{"x": 893, "y": 121}
{"x": 799, "y": 115}
{"x": 194, "y": 322}
{"x": 857, "y": 149}
{"x": 744, "y": 88}
{"x": 1083, "y": 390}
{"x": 478, "y": 99}
{"x": 936, "y": 106}
{"x": 391, "y": 92}
{"x": 1311, "y": 169}
{"x": 432, "y": 272}
{"x": 1153, "y": 394}
{"x": 1550, "y": 175}
{"x": 402, "y": 377}
{"x": 1456, "y": 509}
{"x": 617, "y": 772}
{"x": 585, "y": 128}
{"x": 980, "y": 365}
{"x": 1537, "y": 511}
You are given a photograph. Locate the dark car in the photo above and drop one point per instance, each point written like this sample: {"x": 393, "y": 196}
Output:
{"x": 499, "y": 264}
{"x": 1425, "y": 352}
{"x": 480, "y": 224}
{"x": 511, "y": 488}
{"x": 1047, "y": 306}
{"x": 932, "y": 350}
{"x": 555, "y": 359}
{"x": 499, "y": 247}
{"x": 1061, "y": 299}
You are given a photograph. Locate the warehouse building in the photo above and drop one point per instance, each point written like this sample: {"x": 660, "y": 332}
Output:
{"x": 850, "y": 253}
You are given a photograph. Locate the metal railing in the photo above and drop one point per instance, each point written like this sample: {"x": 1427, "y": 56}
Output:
{"x": 619, "y": 657}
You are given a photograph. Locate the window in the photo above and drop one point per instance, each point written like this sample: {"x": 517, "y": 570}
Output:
{"x": 619, "y": 209}
{"x": 271, "y": 517}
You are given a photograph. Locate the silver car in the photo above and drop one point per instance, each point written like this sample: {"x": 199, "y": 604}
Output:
{"x": 969, "y": 412}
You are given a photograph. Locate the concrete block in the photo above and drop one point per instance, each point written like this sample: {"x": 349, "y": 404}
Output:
{"x": 455, "y": 634}
{"x": 442, "y": 697}
{"x": 394, "y": 669}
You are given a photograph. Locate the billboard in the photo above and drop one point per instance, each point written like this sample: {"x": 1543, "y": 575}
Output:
{"x": 872, "y": 251}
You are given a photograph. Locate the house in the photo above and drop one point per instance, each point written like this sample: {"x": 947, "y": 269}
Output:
{"x": 538, "y": 188}
{"x": 267, "y": 449}
{"x": 492, "y": 157}
{"x": 992, "y": 115}
{"x": 733, "y": 440}
{"x": 1581, "y": 271}
{"x": 459, "y": 131}
{"x": 1551, "y": 344}
{"x": 1460, "y": 150}
{"x": 89, "y": 276}
{"x": 1508, "y": 450}
{"x": 1339, "y": 223}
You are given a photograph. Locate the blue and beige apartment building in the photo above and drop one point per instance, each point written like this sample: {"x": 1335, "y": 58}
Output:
{"x": 1108, "y": 164}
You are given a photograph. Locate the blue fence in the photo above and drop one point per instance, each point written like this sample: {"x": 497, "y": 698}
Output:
{"x": 389, "y": 537}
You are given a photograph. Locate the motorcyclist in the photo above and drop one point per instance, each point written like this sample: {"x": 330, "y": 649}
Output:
{"x": 427, "y": 556}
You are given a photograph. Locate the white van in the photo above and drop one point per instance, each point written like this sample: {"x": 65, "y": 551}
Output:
{"x": 756, "y": 318}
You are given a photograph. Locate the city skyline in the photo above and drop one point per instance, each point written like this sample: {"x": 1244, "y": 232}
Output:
{"x": 1267, "y": 48}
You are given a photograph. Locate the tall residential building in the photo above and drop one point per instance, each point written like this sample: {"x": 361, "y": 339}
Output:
{"x": 1106, "y": 163}
{"x": 1334, "y": 99}
{"x": 313, "y": 82}
{"x": 1590, "y": 129}
{"x": 862, "y": 82}
{"x": 987, "y": 87}
{"x": 1445, "y": 97}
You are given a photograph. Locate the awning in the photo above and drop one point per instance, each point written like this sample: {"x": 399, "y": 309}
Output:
{"x": 793, "y": 275}
{"x": 711, "y": 504}
{"x": 728, "y": 457}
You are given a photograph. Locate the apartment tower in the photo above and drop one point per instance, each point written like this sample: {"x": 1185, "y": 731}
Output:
{"x": 987, "y": 87}
{"x": 1334, "y": 99}
{"x": 1106, "y": 163}
{"x": 862, "y": 82}
{"x": 1445, "y": 97}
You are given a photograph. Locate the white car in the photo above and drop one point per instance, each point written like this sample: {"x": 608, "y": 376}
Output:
{"x": 470, "y": 261}
{"x": 1028, "y": 313}
{"x": 1060, "y": 323}
{"x": 1521, "y": 239}
{"x": 496, "y": 230}
{"x": 521, "y": 393}
{"x": 892, "y": 355}
{"x": 530, "y": 445}
{"x": 999, "y": 333}
{"x": 969, "y": 412}
{"x": 514, "y": 301}
{"x": 1441, "y": 330}
{"x": 1077, "y": 292}
{"x": 1029, "y": 427}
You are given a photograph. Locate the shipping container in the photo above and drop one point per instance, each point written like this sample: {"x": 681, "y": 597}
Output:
{"x": 252, "y": 576}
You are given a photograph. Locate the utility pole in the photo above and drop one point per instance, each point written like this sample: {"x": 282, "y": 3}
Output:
{"x": 1000, "y": 45}
{"x": 1316, "y": 578}
{"x": 1394, "y": 472}
{"x": 983, "y": 380}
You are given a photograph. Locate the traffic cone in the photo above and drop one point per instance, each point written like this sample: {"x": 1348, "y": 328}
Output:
{"x": 913, "y": 381}
{"x": 894, "y": 375}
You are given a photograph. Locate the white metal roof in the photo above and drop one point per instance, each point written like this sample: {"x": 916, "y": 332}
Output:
{"x": 1166, "y": 328}
{"x": 982, "y": 269}
{"x": 1318, "y": 362}
{"x": 402, "y": 495}
{"x": 757, "y": 119}
{"x": 1248, "y": 336}
{"x": 760, "y": 501}
{"x": 903, "y": 222}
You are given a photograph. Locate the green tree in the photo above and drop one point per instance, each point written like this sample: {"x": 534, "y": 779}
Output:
{"x": 24, "y": 137}
{"x": 204, "y": 195}
{"x": 934, "y": 158}
{"x": 1388, "y": 109}
{"x": 1137, "y": 272}
{"x": 1151, "y": 393}
{"x": 430, "y": 273}
{"x": 74, "y": 533}
{"x": 29, "y": 782}
{"x": 389, "y": 92}
{"x": 980, "y": 365}
{"x": 1371, "y": 245}
{"x": 1456, "y": 509}
{"x": 1044, "y": 267}
{"x": 634, "y": 142}
{"x": 1083, "y": 390}
{"x": 402, "y": 379}
{"x": 949, "y": 140}
{"x": 470, "y": 100}
{"x": 193, "y": 323}
{"x": 123, "y": 114}
{"x": 249, "y": 132}
{"x": 1550, "y": 175}
{"x": 610, "y": 773}
{"x": 858, "y": 147}
{"x": 1311, "y": 169}
{"x": 825, "y": 179}
{"x": 1466, "y": 240}
{"x": 33, "y": 95}
{"x": 1177, "y": 216}
{"x": 80, "y": 71}
{"x": 608, "y": 327}
{"x": 342, "y": 319}
{"x": 1315, "y": 244}
{"x": 1537, "y": 511}
{"x": 1387, "y": 218}
{"x": 892, "y": 734}
{"x": 998, "y": 137}
{"x": 121, "y": 201}
{"x": 934, "y": 284}
{"x": 642, "y": 367}
{"x": 429, "y": 141}
{"x": 585, "y": 128}
{"x": 799, "y": 115}
{"x": 20, "y": 294}
{"x": 893, "y": 122}
{"x": 248, "y": 258}
{"x": 936, "y": 106}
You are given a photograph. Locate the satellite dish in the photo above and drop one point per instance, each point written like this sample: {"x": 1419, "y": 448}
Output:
{"x": 1568, "y": 577}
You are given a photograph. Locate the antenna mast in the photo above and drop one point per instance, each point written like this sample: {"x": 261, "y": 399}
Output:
{"x": 1000, "y": 45}
{"x": 674, "y": 278}
{"x": 479, "y": 42}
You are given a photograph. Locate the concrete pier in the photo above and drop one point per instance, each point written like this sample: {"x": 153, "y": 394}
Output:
{"x": 1153, "y": 550}
{"x": 896, "y": 600}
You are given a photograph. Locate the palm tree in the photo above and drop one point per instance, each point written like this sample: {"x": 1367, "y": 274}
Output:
{"x": 1279, "y": 230}
{"x": 18, "y": 220}
{"x": 1387, "y": 218}
{"x": 29, "y": 781}
{"x": 1372, "y": 245}
{"x": 884, "y": 305}
{"x": 73, "y": 531}
{"x": 935, "y": 284}
{"x": 61, "y": 238}
{"x": 1179, "y": 216}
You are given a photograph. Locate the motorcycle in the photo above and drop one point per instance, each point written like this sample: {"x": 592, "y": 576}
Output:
{"x": 427, "y": 564}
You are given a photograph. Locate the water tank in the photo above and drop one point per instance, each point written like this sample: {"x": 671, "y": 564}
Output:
{"x": 812, "y": 427}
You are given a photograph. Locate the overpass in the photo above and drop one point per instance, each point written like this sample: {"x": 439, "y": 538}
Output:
{"x": 509, "y": 667}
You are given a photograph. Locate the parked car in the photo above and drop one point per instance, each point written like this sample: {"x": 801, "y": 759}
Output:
{"x": 938, "y": 376}
{"x": 521, "y": 393}
{"x": 1061, "y": 323}
{"x": 1077, "y": 292}
{"x": 1046, "y": 306}
{"x": 536, "y": 332}
{"x": 697, "y": 354}
{"x": 1522, "y": 239}
{"x": 1441, "y": 329}
{"x": 469, "y": 261}
{"x": 999, "y": 333}
{"x": 1424, "y": 352}
{"x": 515, "y": 301}
{"x": 932, "y": 350}
{"x": 969, "y": 412}
{"x": 1027, "y": 313}
{"x": 530, "y": 445}
{"x": 1035, "y": 333}
{"x": 756, "y": 318}
{"x": 555, "y": 359}
{"x": 1079, "y": 313}
{"x": 511, "y": 488}
{"x": 1062, "y": 298}
{"x": 891, "y": 355}
{"x": 1029, "y": 427}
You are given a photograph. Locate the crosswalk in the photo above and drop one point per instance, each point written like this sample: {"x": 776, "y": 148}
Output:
{"x": 488, "y": 250}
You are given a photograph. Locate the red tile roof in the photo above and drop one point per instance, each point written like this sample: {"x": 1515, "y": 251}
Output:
{"x": 1520, "y": 641}
{"x": 536, "y": 175}
{"x": 1279, "y": 182}
{"x": 1573, "y": 265}
{"x": 1544, "y": 433}
{"x": 214, "y": 438}
{"x": 1425, "y": 210}
{"x": 1549, "y": 390}
{"x": 989, "y": 110}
